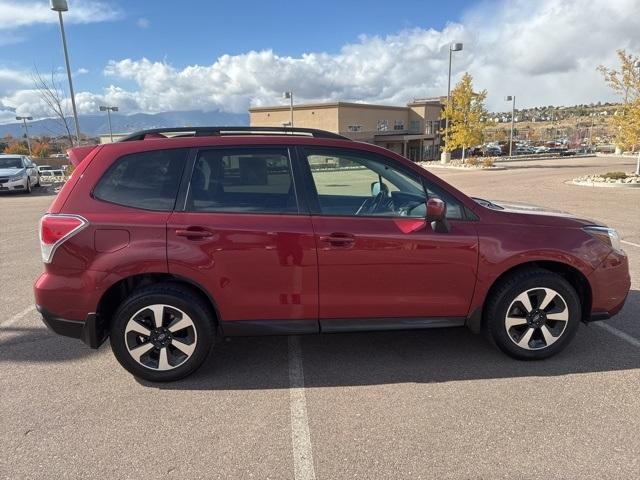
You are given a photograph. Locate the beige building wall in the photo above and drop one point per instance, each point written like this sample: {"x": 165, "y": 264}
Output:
{"x": 324, "y": 117}
{"x": 368, "y": 118}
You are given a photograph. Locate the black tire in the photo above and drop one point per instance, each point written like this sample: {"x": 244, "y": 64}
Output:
{"x": 28, "y": 190}
{"x": 175, "y": 296}
{"x": 504, "y": 296}
{"x": 38, "y": 182}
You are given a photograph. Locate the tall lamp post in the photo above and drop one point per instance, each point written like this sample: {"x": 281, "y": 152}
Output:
{"x": 637, "y": 65}
{"x": 26, "y": 130}
{"x": 453, "y": 47}
{"x": 61, "y": 6}
{"x": 109, "y": 110}
{"x": 289, "y": 95}
{"x": 512, "y": 99}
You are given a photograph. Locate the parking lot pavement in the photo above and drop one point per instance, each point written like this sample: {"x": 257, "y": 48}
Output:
{"x": 430, "y": 404}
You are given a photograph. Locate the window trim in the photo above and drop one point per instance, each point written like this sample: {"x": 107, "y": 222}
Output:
{"x": 118, "y": 159}
{"x": 188, "y": 175}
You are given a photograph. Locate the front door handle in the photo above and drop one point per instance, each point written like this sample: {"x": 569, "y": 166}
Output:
{"x": 194, "y": 232}
{"x": 338, "y": 239}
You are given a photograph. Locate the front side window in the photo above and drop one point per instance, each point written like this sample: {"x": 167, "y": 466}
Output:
{"x": 363, "y": 184}
{"x": 145, "y": 180}
{"x": 242, "y": 181}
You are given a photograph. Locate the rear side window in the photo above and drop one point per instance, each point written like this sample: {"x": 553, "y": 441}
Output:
{"x": 146, "y": 180}
{"x": 255, "y": 180}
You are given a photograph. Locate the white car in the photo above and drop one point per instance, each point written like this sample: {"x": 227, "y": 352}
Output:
{"x": 18, "y": 173}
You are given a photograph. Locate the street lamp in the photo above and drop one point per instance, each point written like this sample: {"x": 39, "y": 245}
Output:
{"x": 109, "y": 110}
{"x": 26, "y": 130}
{"x": 511, "y": 98}
{"x": 453, "y": 47}
{"x": 637, "y": 65}
{"x": 289, "y": 95}
{"x": 61, "y": 6}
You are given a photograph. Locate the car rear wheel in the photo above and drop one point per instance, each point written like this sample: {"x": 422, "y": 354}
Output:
{"x": 162, "y": 333}
{"x": 533, "y": 314}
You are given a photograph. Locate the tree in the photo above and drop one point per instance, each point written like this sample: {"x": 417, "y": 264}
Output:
{"x": 466, "y": 113}
{"x": 41, "y": 149}
{"x": 626, "y": 83}
{"x": 52, "y": 95}
{"x": 17, "y": 149}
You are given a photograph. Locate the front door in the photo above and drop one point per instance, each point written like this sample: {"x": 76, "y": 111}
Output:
{"x": 240, "y": 235}
{"x": 377, "y": 256}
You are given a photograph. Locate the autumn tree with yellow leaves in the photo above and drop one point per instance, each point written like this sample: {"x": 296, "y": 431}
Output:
{"x": 466, "y": 113}
{"x": 625, "y": 81}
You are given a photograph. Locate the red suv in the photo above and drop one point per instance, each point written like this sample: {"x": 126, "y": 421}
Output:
{"x": 172, "y": 238}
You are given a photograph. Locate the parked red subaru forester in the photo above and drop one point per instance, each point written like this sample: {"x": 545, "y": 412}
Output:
{"x": 171, "y": 238}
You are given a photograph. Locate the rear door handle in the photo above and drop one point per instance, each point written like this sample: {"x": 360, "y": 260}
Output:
{"x": 338, "y": 239}
{"x": 194, "y": 232}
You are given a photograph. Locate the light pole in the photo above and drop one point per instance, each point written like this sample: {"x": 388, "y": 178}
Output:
{"x": 512, "y": 99}
{"x": 637, "y": 65}
{"x": 26, "y": 130}
{"x": 289, "y": 95}
{"x": 453, "y": 47}
{"x": 109, "y": 110}
{"x": 61, "y": 6}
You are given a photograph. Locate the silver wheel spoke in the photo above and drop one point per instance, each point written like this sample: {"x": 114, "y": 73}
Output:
{"x": 514, "y": 321}
{"x": 163, "y": 362}
{"x": 158, "y": 312}
{"x": 134, "y": 326}
{"x": 137, "y": 352}
{"x": 183, "y": 347}
{"x": 523, "y": 298}
{"x": 524, "y": 340}
{"x": 549, "y": 295}
{"x": 564, "y": 315}
{"x": 546, "y": 333}
{"x": 184, "y": 322}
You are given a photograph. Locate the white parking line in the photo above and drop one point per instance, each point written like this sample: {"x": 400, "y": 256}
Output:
{"x": 18, "y": 316}
{"x": 631, "y": 243}
{"x": 620, "y": 334}
{"x": 300, "y": 438}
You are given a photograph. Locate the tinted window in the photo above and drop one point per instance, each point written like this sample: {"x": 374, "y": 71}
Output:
{"x": 357, "y": 183}
{"x": 242, "y": 180}
{"x": 147, "y": 180}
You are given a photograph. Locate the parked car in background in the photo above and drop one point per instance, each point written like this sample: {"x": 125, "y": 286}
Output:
{"x": 18, "y": 173}
{"x": 49, "y": 171}
{"x": 541, "y": 149}
{"x": 492, "y": 151}
{"x": 164, "y": 243}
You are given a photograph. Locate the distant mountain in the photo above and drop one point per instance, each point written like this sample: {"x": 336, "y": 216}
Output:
{"x": 94, "y": 125}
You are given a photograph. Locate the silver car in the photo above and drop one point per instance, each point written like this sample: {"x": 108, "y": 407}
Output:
{"x": 18, "y": 173}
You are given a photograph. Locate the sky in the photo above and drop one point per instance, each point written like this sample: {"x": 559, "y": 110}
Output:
{"x": 155, "y": 56}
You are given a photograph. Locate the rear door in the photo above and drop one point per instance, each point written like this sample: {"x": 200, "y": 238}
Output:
{"x": 242, "y": 234}
{"x": 377, "y": 256}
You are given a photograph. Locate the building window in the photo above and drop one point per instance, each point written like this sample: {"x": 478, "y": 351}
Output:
{"x": 414, "y": 126}
{"x": 354, "y": 128}
{"x": 398, "y": 125}
{"x": 383, "y": 125}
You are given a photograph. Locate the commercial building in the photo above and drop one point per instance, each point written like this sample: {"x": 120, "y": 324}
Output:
{"x": 411, "y": 131}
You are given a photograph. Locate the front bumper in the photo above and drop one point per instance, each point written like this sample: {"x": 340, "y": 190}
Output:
{"x": 610, "y": 284}
{"x": 91, "y": 331}
{"x": 14, "y": 185}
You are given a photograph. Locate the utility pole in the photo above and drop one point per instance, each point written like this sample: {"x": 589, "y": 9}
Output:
{"x": 26, "y": 130}
{"x": 289, "y": 95}
{"x": 512, "y": 99}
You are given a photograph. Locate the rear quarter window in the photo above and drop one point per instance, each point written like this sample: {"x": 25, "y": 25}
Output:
{"x": 145, "y": 180}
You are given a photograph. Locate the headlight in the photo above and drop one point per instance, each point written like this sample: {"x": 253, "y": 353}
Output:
{"x": 18, "y": 176}
{"x": 605, "y": 235}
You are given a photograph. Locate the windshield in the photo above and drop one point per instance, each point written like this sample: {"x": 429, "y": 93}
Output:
{"x": 11, "y": 162}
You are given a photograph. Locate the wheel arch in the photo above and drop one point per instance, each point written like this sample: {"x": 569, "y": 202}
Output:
{"x": 575, "y": 277}
{"x": 123, "y": 288}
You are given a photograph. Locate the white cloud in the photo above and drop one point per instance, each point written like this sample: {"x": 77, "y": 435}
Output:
{"x": 15, "y": 14}
{"x": 143, "y": 23}
{"x": 544, "y": 52}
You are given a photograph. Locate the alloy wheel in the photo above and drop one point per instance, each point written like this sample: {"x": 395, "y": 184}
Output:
{"x": 160, "y": 337}
{"x": 536, "y": 318}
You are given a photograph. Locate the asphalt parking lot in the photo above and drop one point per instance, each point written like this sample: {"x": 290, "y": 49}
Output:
{"x": 432, "y": 404}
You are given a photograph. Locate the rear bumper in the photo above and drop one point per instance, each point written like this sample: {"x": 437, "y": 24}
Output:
{"x": 91, "y": 331}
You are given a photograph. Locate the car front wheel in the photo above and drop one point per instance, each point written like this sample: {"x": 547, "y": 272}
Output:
{"x": 162, "y": 333}
{"x": 533, "y": 314}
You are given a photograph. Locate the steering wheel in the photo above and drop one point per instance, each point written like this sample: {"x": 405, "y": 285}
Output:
{"x": 375, "y": 204}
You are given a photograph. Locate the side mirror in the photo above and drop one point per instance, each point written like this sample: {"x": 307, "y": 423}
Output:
{"x": 377, "y": 187}
{"x": 437, "y": 215}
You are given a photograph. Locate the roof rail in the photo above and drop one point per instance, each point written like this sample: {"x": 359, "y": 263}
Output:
{"x": 219, "y": 131}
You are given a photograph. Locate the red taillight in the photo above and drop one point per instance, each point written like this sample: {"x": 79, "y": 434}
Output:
{"x": 55, "y": 229}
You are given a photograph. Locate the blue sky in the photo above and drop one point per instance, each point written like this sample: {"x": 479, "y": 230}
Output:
{"x": 220, "y": 55}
